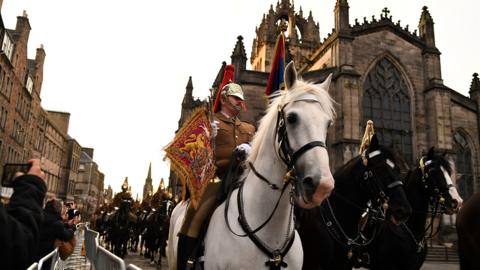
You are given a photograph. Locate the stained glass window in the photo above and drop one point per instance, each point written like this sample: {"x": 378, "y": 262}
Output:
{"x": 463, "y": 164}
{"x": 387, "y": 103}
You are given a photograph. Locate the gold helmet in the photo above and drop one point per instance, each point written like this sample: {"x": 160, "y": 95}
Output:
{"x": 233, "y": 89}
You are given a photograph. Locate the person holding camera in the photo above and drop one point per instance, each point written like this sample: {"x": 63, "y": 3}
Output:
{"x": 53, "y": 229}
{"x": 21, "y": 218}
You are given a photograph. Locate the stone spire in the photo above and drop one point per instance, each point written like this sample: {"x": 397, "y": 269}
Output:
{"x": 342, "y": 16}
{"x": 239, "y": 57}
{"x": 148, "y": 187}
{"x": 475, "y": 86}
{"x": 188, "y": 98}
{"x": 425, "y": 26}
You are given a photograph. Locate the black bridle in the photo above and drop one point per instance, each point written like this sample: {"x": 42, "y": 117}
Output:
{"x": 436, "y": 198}
{"x": 375, "y": 210}
{"x": 289, "y": 157}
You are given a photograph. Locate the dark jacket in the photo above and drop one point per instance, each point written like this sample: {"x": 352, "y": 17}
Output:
{"x": 20, "y": 222}
{"x": 52, "y": 228}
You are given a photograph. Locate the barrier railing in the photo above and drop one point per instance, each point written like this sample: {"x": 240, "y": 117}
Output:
{"x": 91, "y": 243}
{"x": 100, "y": 257}
{"x": 133, "y": 267}
{"x": 52, "y": 257}
{"x": 107, "y": 260}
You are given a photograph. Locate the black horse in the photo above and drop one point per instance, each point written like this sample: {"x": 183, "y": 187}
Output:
{"x": 156, "y": 233}
{"x": 468, "y": 224}
{"x": 119, "y": 224}
{"x": 333, "y": 233}
{"x": 431, "y": 193}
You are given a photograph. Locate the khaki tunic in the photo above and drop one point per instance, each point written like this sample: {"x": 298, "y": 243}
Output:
{"x": 231, "y": 133}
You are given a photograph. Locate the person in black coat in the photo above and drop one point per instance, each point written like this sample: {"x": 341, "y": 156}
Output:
{"x": 52, "y": 228}
{"x": 21, "y": 218}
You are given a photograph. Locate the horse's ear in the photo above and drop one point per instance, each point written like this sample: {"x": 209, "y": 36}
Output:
{"x": 290, "y": 75}
{"x": 431, "y": 153}
{"x": 325, "y": 85}
{"x": 373, "y": 143}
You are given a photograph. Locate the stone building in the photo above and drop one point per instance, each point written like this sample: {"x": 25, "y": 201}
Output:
{"x": 381, "y": 71}
{"x": 26, "y": 129}
{"x": 89, "y": 186}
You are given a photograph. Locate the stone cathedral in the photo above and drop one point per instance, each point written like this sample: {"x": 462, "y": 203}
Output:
{"x": 381, "y": 71}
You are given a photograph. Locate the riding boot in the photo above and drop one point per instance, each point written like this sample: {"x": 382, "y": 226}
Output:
{"x": 186, "y": 246}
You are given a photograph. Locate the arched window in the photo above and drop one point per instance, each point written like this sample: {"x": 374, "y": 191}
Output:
{"x": 387, "y": 103}
{"x": 463, "y": 164}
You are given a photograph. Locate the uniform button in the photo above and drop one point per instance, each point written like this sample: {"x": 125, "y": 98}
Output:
{"x": 236, "y": 136}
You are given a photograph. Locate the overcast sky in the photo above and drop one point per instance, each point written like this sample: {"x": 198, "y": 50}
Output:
{"x": 120, "y": 67}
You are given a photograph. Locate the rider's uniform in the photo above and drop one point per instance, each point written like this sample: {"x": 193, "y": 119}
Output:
{"x": 231, "y": 133}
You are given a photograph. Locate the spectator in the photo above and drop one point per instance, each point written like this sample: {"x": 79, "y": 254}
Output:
{"x": 72, "y": 219}
{"x": 52, "y": 228}
{"x": 21, "y": 218}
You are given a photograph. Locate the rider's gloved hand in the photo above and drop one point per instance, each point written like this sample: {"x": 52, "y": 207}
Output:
{"x": 244, "y": 148}
{"x": 214, "y": 125}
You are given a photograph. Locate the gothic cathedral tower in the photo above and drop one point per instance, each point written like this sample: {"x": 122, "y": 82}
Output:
{"x": 148, "y": 187}
{"x": 302, "y": 36}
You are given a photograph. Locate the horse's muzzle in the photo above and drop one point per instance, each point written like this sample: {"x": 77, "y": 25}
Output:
{"x": 315, "y": 191}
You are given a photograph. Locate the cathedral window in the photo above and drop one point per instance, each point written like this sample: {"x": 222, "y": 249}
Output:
{"x": 387, "y": 103}
{"x": 463, "y": 166}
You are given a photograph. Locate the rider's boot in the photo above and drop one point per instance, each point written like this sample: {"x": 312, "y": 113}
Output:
{"x": 186, "y": 246}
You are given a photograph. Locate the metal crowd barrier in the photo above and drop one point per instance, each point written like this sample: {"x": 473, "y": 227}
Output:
{"x": 133, "y": 267}
{"x": 100, "y": 257}
{"x": 52, "y": 257}
{"x": 91, "y": 243}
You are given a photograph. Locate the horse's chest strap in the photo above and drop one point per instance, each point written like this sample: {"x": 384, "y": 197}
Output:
{"x": 276, "y": 256}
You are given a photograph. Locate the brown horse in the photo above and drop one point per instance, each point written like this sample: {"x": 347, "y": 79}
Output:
{"x": 468, "y": 229}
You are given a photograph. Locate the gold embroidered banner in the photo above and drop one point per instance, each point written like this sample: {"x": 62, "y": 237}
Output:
{"x": 191, "y": 154}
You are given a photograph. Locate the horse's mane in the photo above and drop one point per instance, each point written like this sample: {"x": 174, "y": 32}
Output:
{"x": 299, "y": 88}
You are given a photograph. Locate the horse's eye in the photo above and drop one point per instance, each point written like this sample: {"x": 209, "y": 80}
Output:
{"x": 292, "y": 118}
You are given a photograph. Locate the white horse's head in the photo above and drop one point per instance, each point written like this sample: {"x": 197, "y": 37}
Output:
{"x": 296, "y": 125}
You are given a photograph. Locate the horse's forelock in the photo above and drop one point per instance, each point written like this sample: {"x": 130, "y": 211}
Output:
{"x": 268, "y": 122}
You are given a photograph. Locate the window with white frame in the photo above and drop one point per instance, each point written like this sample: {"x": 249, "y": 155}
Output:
{"x": 7, "y": 46}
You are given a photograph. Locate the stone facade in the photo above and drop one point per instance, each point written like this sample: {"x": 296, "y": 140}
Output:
{"x": 26, "y": 129}
{"x": 381, "y": 71}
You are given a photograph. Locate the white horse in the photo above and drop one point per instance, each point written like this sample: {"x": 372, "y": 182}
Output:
{"x": 288, "y": 161}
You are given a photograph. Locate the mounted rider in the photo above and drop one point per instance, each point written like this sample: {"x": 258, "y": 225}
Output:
{"x": 231, "y": 135}
{"x": 124, "y": 195}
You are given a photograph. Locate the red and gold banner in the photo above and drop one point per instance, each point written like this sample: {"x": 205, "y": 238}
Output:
{"x": 191, "y": 154}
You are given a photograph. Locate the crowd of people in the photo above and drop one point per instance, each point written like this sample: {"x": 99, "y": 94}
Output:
{"x": 29, "y": 231}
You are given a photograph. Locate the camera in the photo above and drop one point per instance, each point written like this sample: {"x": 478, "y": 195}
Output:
{"x": 9, "y": 171}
